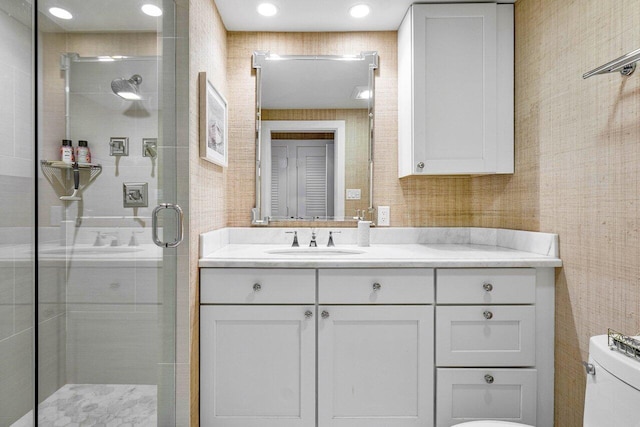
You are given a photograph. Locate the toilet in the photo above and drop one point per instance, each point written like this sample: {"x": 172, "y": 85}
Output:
{"x": 613, "y": 387}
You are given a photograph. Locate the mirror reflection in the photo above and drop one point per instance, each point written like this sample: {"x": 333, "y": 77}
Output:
{"x": 314, "y": 114}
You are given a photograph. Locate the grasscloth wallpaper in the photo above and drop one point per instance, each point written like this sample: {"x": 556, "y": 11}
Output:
{"x": 207, "y": 52}
{"x": 577, "y": 172}
{"x": 413, "y": 201}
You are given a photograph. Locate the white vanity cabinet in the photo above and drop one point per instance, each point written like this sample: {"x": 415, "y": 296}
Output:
{"x": 257, "y": 355}
{"x": 374, "y": 347}
{"x": 375, "y": 353}
{"x": 455, "y": 89}
{"x": 486, "y": 349}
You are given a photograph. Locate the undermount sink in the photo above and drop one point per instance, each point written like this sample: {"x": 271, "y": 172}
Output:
{"x": 92, "y": 250}
{"x": 314, "y": 252}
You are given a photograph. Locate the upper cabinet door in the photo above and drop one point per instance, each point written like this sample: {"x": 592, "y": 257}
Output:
{"x": 454, "y": 113}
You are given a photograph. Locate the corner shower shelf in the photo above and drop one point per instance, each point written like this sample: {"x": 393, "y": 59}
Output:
{"x": 60, "y": 173}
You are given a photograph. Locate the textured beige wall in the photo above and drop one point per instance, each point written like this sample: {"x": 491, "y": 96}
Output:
{"x": 420, "y": 201}
{"x": 577, "y": 172}
{"x": 207, "y": 200}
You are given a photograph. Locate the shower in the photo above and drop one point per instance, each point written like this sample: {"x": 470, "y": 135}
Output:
{"x": 127, "y": 88}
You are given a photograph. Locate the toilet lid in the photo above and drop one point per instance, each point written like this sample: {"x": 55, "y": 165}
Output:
{"x": 491, "y": 424}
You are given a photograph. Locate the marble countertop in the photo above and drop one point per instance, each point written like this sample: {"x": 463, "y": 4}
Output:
{"x": 452, "y": 249}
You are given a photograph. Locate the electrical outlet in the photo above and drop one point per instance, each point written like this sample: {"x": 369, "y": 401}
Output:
{"x": 353, "y": 193}
{"x": 384, "y": 214}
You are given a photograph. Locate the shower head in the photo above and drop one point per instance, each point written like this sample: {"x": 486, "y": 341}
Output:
{"x": 127, "y": 88}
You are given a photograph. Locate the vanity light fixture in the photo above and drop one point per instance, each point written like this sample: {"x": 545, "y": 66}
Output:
{"x": 61, "y": 13}
{"x": 267, "y": 9}
{"x": 359, "y": 11}
{"x": 151, "y": 10}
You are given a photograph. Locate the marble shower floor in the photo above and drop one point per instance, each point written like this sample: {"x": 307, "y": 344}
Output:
{"x": 98, "y": 405}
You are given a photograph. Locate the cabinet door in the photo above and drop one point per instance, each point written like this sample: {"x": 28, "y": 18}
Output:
{"x": 455, "y": 92}
{"x": 375, "y": 366}
{"x": 257, "y": 366}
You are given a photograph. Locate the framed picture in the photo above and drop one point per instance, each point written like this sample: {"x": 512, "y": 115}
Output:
{"x": 213, "y": 123}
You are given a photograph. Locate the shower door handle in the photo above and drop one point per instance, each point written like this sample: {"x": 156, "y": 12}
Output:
{"x": 179, "y": 225}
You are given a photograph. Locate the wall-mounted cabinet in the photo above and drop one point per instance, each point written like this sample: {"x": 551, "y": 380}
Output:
{"x": 455, "y": 89}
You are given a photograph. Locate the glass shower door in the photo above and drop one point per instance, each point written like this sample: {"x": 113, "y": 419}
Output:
{"x": 17, "y": 219}
{"x": 107, "y": 293}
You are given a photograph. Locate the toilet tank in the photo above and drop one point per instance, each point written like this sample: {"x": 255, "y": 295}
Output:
{"x": 613, "y": 392}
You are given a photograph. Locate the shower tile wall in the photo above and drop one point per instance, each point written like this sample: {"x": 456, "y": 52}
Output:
{"x": 16, "y": 220}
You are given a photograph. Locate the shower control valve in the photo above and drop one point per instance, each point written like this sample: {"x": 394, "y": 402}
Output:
{"x": 119, "y": 146}
{"x": 135, "y": 195}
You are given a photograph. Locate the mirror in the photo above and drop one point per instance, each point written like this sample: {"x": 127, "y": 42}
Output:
{"x": 314, "y": 136}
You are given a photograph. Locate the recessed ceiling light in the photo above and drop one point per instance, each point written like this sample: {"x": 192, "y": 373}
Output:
{"x": 151, "y": 10}
{"x": 267, "y": 9}
{"x": 60, "y": 13}
{"x": 359, "y": 11}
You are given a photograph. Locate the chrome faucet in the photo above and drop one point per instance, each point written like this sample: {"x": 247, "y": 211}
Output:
{"x": 313, "y": 243}
{"x": 115, "y": 239}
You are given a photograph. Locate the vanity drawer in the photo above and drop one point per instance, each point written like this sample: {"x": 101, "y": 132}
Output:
{"x": 486, "y": 286}
{"x": 257, "y": 286}
{"x": 478, "y": 394}
{"x": 485, "y": 335}
{"x": 376, "y": 286}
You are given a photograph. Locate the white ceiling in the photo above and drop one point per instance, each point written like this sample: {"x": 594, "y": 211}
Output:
{"x": 319, "y": 15}
{"x": 239, "y": 15}
{"x": 102, "y": 15}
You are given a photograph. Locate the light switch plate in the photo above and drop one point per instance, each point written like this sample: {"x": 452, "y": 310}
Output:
{"x": 353, "y": 194}
{"x": 135, "y": 195}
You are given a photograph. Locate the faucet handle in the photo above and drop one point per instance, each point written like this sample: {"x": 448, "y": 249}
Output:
{"x": 134, "y": 241}
{"x": 330, "y": 242}
{"x": 98, "y": 241}
{"x": 295, "y": 238}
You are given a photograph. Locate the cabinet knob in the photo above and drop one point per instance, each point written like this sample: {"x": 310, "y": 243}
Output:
{"x": 324, "y": 314}
{"x": 489, "y": 379}
{"x": 377, "y": 286}
{"x": 487, "y": 287}
{"x": 308, "y": 314}
{"x": 421, "y": 165}
{"x": 487, "y": 314}
{"x": 257, "y": 287}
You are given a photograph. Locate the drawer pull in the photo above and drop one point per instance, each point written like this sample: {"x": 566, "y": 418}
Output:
{"x": 489, "y": 379}
{"x": 324, "y": 314}
{"x": 487, "y": 287}
{"x": 308, "y": 314}
{"x": 487, "y": 314}
{"x": 257, "y": 287}
{"x": 377, "y": 286}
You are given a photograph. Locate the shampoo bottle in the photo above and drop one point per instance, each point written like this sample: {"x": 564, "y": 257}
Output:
{"x": 83, "y": 154}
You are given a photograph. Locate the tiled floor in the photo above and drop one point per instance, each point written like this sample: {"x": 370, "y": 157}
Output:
{"x": 97, "y": 405}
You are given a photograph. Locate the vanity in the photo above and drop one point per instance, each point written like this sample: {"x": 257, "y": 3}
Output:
{"x": 426, "y": 327}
